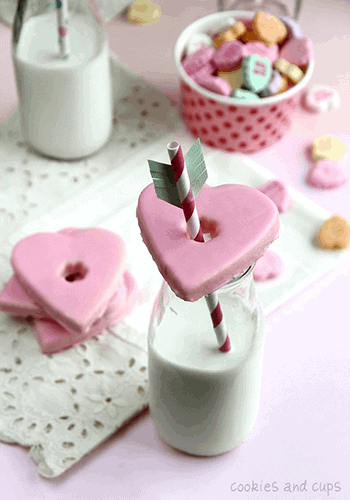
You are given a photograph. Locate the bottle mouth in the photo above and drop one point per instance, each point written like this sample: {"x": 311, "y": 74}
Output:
{"x": 238, "y": 279}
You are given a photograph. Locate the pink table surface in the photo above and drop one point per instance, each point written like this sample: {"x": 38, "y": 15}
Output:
{"x": 302, "y": 432}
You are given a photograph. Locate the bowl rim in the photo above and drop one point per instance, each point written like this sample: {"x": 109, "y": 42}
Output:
{"x": 199, "y": 26}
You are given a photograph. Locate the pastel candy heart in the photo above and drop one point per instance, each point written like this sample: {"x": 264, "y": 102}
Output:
{"x": 198, "y": 41}
{"x": 229, "y": 55}
{"x": 268, "y": 28}
{"x": 241, "y": 220}
{"x": 278, "y": 193}
{"x": 196, "y": 61}
{"x": 143, "y": 12}
{"x": 334, "y": 234}
{"x": 71, "y": 277}
{"x": 52, "y": 337}
{"x": 245, "y": 95}
{"x": 321, "y": 98}
{"x": 328, "y": 148}
{"x": 274, "y": 84}
{"x": 256, "y": 72}
{"x": 213, "y": 83}
{"x": 233, "y": 78}
{"x": 293, "y": 27}
{"x": 292, "y": 71}
{"x": 326, "y": 174}
{"x": 269, "y": 266}
{"x": 298, "y": 51}
{"x": 259, "y": 48}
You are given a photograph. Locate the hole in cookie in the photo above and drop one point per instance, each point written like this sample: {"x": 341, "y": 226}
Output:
{"x": 209, "y": 228}
{"x": 75, "y": 272}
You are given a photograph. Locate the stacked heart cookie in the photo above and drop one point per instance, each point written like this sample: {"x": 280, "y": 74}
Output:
{"x": 74, "y": 283}
{"x": 249, "y": 58}
{"x": 241, "y": 222}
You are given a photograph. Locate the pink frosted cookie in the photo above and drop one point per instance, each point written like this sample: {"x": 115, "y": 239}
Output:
{"x": 52, "y": 337}
{"x": 326, "y": 174}
{"x": 242, "y": 223}
{"x": 268, "y": 267}
{"x": 14, "y": 300}
{"x": 278, "y": 193}
{"x": 71, "y": 277}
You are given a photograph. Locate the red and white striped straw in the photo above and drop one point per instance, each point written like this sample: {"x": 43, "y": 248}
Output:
{"x": 195, "y": 231}
{"x": 62, "y": 18}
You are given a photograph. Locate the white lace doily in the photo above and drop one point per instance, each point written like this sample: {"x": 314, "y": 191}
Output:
{"x": 107, "y": 8}
{"x": 63, "y": 405}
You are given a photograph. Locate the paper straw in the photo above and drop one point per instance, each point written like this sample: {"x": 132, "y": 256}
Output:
{"x": 62, "y": 18}
{"x": 195, "y": 231}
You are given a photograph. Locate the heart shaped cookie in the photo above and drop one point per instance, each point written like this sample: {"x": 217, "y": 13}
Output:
{"x": 71, "y": 277}
{"x": 52, "y": 337}
{"x": 268, "y": 28}
{"x": 326, "y": 174}
{"x": 241, "y": 220}
{"x": 278, "y": 193}
{"x": 268, "y": 267}
{"x": 334, "y": 234}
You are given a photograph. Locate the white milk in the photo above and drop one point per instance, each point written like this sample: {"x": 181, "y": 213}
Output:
{"x": 203, "y": 401}
{"x": 66, "y": 105}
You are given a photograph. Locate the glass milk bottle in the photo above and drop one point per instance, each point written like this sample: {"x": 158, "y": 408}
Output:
{"x": 204, "y": 401}
{"x": 61, "y": 61}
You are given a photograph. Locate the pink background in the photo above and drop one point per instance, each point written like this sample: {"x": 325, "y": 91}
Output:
{"x": 302, "y": 432}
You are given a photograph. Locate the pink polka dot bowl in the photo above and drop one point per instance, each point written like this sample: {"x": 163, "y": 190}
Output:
{"x": 229, "y": 123}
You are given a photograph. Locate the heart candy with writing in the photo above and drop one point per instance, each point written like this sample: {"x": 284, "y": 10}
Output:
{"x": 334, "y": 234}
{"x": 71, "y": 277}
{"x": 298, "y": 51}
{"x": 268, "y": 28}
{"x": 326, "y": 174}
{"x": 256, "y": 71}
{"x": 321, "y": 98}
{"x": 268, "y": 267}
{"x": 242, "y": 222}
{"x": 278, "y": 193}
{"x": 327, "y": 147}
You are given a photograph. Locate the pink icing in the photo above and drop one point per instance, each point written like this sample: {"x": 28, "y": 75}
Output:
{"x": 44, "y": 261}
{"x": 242, "y": 222}
{"x": 14, "y": 300}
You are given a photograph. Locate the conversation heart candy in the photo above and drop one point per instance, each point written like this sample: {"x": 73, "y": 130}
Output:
{"x": 293, "y": 27}
{"x": 225, "y": 36}
{"x": 278, "y": 193}
{"x": 213, "y": 83}
{"x": 196, "y": 61}
{"x": 274, "y": 84}
{"x": 229, "y": 55}
{"x": 238, "y": 29}
{"x": 262, "y": 50}
{"x": 328, "y": 148}
{"x": 198, "y": 41}
{"x": 268, "y": 28}
{"x": 334, "y": 234}
{"x": 268, "y": 267}
{"x": 143, "y": 12}
{"x": 326, "y": 174}
{"x": 298, "y": 51}
{"x": 243, "y": 222}
{"x": 321, "y": 98}
{"x": 246, "y": 95}
{"x": 71, "y": 276}
{"x": 256, "y": 72}
{"x": 233, "y": 78}
{"x": 290, "y": 70}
